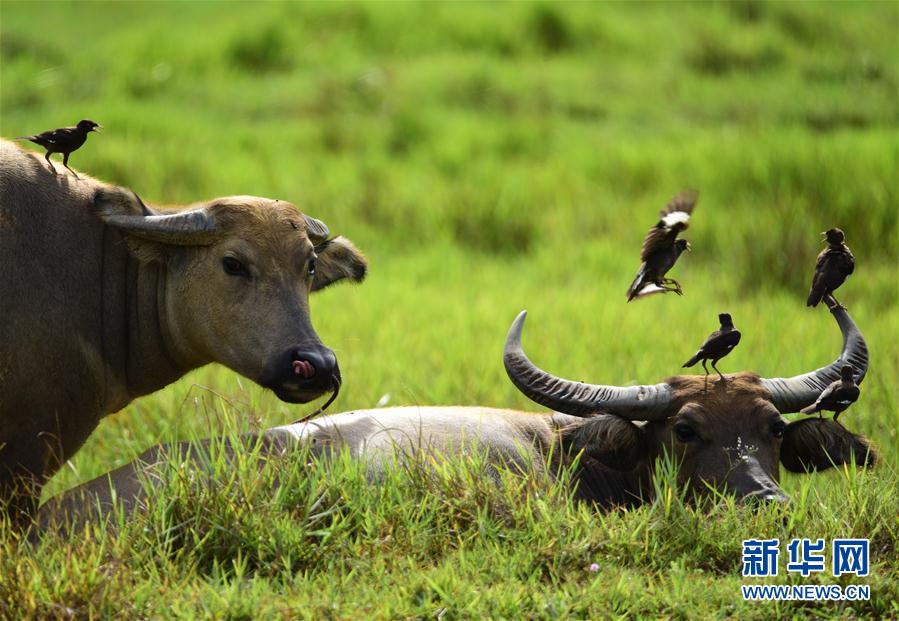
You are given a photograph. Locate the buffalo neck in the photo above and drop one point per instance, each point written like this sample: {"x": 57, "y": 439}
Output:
{"x": 139, "y": 353}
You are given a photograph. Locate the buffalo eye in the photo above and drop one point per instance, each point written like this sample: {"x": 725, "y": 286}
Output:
{"x": 778, "y": 429}
{"x": 685, "y": 433}
{"x": 311, "y": 267}
{"x": 234, "y": 267}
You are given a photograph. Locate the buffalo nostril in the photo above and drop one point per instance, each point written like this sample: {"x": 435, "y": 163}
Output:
{"x": 304, "y": 368}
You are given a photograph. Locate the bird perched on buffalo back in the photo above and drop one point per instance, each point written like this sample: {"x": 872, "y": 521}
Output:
{"x": 837, "y": 396}
{"x": 834, "y": 264}
{"x": 717, "y": 346}
{"x": 661, "y": 248}
{"x": 64, "y": 140}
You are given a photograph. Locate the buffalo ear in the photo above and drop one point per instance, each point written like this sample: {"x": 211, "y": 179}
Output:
{"x": 111, "y": 200}
{"x": 612, "y": 441}
{"x": 337, "y": 259}
{"x": 113, "y": 203}
{"x": 820, "y": 443}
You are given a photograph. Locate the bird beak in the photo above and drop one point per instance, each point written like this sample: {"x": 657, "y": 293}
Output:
{"x": 97, "y": 129}
{"x": 689, "y": 247}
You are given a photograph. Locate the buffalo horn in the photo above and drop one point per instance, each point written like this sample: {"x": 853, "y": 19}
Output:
{"x": 791, "y": 394}
{"x": 577, "y": 398}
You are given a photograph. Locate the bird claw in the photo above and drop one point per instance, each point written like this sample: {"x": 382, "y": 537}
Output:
{"x": 832, "y": 303}
{"x": 669, "y": 285}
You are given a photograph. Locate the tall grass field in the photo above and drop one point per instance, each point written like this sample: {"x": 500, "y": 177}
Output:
{"x": 487, "y": 158}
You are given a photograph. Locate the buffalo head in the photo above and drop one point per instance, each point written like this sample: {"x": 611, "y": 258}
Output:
{"x": 234, "y": 283}
{"x": 727, "y": 435}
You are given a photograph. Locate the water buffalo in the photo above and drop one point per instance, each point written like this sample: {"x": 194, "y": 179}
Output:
{"x": 104, "y": 299}
{"x": 727, "y": 436}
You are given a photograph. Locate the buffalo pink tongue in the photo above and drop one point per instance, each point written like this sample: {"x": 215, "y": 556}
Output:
{"x": 304, "y": 368}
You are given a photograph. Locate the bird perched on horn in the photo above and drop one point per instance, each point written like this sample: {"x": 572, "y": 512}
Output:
{"x": 834, "y": 265}
{"x": 661, "y": 248}
{"x": 64, "y": 140}
{"x": 838, "y": 396}
{"x": 720, "y": 343}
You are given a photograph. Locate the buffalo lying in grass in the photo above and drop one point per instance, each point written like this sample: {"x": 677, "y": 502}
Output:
{"x": 104, "y": 299}
{"x": 728, "y": 436}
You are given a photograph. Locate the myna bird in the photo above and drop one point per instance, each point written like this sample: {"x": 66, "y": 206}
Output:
{"x": 661, "y": 248}
{"x": 64, "y": 140}
{"x": 834, "y": 264}
{"x": 837, "y": 396}
{"x": 717, "y": 346}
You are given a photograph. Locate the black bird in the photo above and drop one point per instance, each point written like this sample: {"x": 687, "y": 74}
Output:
{"x": 661, "y": 248}
{"x": 837, "y": 396}
{"x": 717, "y": 346}
{"x": 64, "y": 140}
{"x": 834, "y": 264}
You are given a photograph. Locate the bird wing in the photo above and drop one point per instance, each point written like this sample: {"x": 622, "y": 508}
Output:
{"x": 833, "y": 267}
{"x": 827, "y": 392}
{"x": 819, "y": 279}
{"x": 711, "y": 342}
{"x": 679, "y": 209}
{"x": 851, "y": 394}
{"x": 55, "y": 135}
{"x": 660, "y": 236}
{"x": 720, "y": 343}
{"x": 675, "y": 217}
{"x": 848, "y": 260}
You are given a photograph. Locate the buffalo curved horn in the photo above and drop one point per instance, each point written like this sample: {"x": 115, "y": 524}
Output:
{"x": 791, "y": 394}
{"x": 124, "y": 210}
{"x": 577, "y": 398}
{"x": 188, "y": 228}
{"x": 317, "y": 230}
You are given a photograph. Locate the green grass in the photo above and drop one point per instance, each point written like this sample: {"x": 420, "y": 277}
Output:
{"x": 488, "y": 158}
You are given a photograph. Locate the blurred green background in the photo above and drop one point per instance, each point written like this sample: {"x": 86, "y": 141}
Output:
{"x": 494, "y": 157}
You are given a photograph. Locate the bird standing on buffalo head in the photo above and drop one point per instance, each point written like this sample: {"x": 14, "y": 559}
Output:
{"x": 838, "y": 396}
{"x": 834, "y": 264}
{"x": 661, "y": 248}
{"x": 64, "y": 140}
{"x": 717, "y": 346}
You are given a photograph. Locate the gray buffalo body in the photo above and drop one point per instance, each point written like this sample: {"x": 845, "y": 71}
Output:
{"x": 522, "y": 441}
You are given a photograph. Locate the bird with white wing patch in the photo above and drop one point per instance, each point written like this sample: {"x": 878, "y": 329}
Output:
{"x": 662, "y": 248}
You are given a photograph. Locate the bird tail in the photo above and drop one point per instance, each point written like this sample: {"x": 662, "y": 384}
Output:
{"x": 813, "y": 298}
{"x": 634, "y": 289}
{"x": 692, "y": 361}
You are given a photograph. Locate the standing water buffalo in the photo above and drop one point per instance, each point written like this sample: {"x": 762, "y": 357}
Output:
{"x": 103, "y": 299}
{"x": 728, "y": 436}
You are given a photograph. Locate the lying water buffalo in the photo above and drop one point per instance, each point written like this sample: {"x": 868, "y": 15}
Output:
{"x": 103, "y": 299}
{"x": 729, "y": 436}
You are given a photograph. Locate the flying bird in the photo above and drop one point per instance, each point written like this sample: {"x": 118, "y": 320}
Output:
{"x": 720, "y": 343}
{"x": 833, "y": 266}
{"x": 837, "y": 396}
{"x": 661, "y": 248}
{"x": 64, "y": 140}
